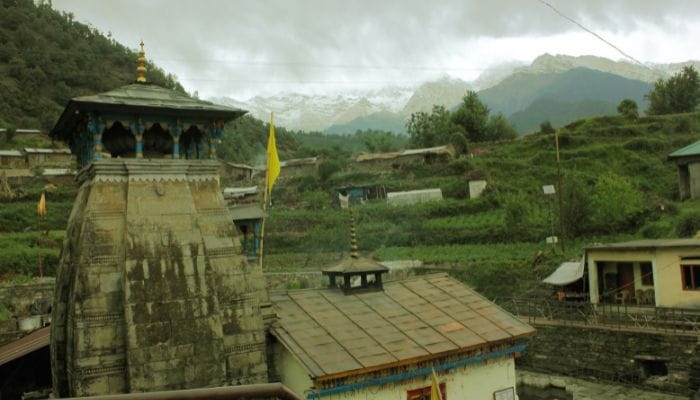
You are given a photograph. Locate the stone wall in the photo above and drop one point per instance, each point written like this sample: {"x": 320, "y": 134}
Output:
{"x": 614, "y": 355}
{"x": 19, "y": 297}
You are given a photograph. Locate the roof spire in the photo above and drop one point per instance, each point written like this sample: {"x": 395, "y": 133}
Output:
{"x": 141, "y": 65}
{"x": 353, "y": 237}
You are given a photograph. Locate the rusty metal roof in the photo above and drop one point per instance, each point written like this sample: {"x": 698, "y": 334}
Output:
{"x": 330, "y": 333}
{"x": 25, "y": 345}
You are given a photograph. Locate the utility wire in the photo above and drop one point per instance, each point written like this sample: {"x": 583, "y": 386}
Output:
{"x": 590, "y": 31}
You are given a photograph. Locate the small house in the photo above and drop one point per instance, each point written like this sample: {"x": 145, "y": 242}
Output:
{"x": 687, "y": 160}
{"x": 232, "y": 173}
{"x": 36, "y": 157}
{"x": 363, "y": 338}
{"x": 397, "y": 159}
{"x": 11, "y": 159}
{"x": 413, "y": 196}
{"x": 659, "y": 272}
{"x": 354, "y": 195}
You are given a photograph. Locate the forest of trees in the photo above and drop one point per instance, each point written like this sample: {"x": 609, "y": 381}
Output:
{"x": 47, "y": 58}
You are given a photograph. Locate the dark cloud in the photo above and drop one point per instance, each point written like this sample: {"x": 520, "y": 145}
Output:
{"x": 228, "y": 47}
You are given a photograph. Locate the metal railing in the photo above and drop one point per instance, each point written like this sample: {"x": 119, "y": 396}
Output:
{"x": 661, "y": 319}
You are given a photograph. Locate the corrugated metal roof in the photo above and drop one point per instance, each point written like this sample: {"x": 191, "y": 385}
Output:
{"x": 46, "y": 151}
{"x": 240, "y": 191}
{"x": 648, "y": 244}
{"x": 332, "y": 333}
{"x": 687, "y": 151}
{"x": 11, "y": 153}
{"x": 246, "y": 211}
{"x": 25, "y": 345}
{"x": 568, "y": 272}
{"x": 57, "y": 172}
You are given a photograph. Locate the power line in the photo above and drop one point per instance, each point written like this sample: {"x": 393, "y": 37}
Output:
{"x": 319, "y": 65}
{"x": 590, "y": 31}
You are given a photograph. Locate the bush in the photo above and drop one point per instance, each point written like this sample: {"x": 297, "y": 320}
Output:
{"x": 688, "y": 225}
{"x": 327, "y": 168}
{"x": 616, "y": 204}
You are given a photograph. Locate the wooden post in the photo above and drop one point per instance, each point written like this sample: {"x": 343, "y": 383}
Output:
{"x": 38, "y": 245}
{"x": 561, "y": 209}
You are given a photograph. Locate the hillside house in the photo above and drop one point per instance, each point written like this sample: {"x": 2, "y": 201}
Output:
{"x": 413, "y": 196}
{"x": 396, "y": 159}
{"x": 36, "y": 157}
{"x": 660, "y": 272}
{"x": 687, "y": 160}
{"x": 232, "y": 173}
{"x": 348, "y": 196}
{"x": 381, "y": 341}
{"x": 11, "y": 159}
{"x": 299, "y": 167}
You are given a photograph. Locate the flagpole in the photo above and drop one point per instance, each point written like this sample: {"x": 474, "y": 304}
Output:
{"x": 262, "y": 227}
{"x": 38, "y": 239}
{"x": 265, "y": 195}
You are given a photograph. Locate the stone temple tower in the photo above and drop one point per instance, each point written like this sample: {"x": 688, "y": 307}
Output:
{"x": 153, "y": 291}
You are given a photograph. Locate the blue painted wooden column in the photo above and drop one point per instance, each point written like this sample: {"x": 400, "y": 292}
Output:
{"x": 176, "y": 132}
{"x": 138, "y": 134}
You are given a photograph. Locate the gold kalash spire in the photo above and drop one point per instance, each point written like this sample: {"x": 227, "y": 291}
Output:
{"x": 141, "y": 66}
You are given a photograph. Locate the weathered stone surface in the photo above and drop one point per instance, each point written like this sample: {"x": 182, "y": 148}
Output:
{"x": 611, "y": 354}
{"x": 152, "y": 292}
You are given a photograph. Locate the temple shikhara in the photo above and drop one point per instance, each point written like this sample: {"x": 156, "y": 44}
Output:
{"x": 152, "y": 292}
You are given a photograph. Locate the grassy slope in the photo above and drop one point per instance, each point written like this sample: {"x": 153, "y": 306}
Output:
{"x": 473, "y": 235}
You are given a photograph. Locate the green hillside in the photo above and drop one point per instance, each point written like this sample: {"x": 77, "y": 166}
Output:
{"x": 617, "y": 185}
{"x": 558, "y": 112}
{"x": 584, "y": 89}
{"x": 46, "y": 58}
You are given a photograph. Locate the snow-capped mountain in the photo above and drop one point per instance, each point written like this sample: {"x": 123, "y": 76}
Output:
{"x": 317, "y": 112}
{"x": 393, "y": 105}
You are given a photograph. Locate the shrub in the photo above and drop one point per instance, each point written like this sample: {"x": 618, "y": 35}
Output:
{"x": 688, "y": 225}
{"x": 616, "y": 204}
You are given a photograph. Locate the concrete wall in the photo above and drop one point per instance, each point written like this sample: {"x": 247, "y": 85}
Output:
{"x": 477, "y": 382}
{"x": 666, "y": 266}
{"x": 694, "y": 179}
{"x": 608, "y": 354}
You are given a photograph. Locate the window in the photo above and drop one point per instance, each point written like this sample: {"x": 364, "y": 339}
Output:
{"x": 690, "y": 275}
{"x": 647, "y": 274}
{"x": 424, "y": 393}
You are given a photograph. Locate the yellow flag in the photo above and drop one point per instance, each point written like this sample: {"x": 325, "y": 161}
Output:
{"x": 41, "y": 207}
{"x": 435, "y": 393}
{"x": 273, "y": 160}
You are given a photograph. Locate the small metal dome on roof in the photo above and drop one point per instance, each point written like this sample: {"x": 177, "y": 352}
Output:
{"x": 358, "y": 273}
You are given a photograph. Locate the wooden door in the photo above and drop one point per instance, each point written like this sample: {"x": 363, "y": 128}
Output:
{"x": 625, "y": 273}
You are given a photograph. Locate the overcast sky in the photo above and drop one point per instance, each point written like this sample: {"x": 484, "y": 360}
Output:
{"x": 244, "y": 48}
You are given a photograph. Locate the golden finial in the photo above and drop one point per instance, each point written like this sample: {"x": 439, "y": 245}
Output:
{"x": 141, "y": 66}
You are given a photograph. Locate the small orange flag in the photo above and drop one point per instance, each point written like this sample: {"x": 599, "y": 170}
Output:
{"x": 41, "y": 207}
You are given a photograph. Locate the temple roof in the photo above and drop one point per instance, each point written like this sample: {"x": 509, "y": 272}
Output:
{"x": 411, "y": 320}
{"x": 356, "y": 265}
{"x": 143, "y": 99}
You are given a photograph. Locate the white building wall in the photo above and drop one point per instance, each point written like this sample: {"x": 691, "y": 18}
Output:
{"x": 474, "y": 382}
